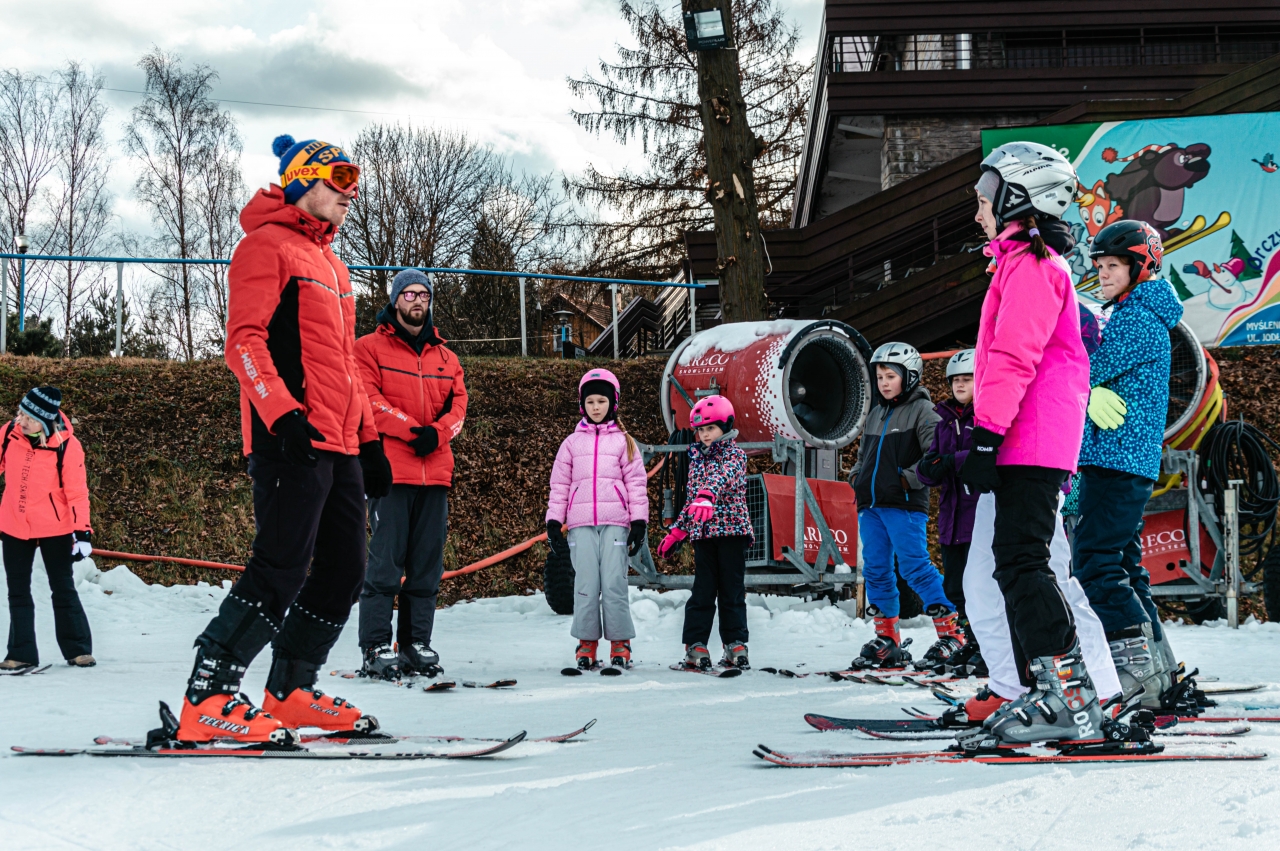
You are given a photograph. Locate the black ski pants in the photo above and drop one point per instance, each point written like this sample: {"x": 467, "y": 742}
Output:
{"x": 719, "y": 574}
{"x": 1107, "y": 550}
{"x": 1026, "y": 508}
{"x": 409, "y": 527}
{"x": 70, "y": 625}
{"x": 954, "y": 558}
{"x": 308, "y": 558}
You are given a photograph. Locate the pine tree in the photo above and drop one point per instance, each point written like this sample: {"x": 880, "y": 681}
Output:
{"x": 1238, "y": 250}
{"x": 1179, "y": 286}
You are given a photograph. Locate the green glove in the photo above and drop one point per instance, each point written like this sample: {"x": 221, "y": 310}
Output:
{"x": 1106, "y": 408}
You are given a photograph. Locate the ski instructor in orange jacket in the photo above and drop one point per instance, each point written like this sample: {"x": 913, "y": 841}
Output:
{"x": 314, "y": 454}
{"x": 419, "y": 403}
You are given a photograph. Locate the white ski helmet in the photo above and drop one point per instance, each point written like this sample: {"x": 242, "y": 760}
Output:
{"x": 961, "y": 363}
{"x": 1034, "y": 180}
{"x": 905, "y": 356}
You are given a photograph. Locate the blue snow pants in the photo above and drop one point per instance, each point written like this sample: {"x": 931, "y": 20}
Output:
{"x": 1107, "y": 551}
{"x": 887, "y": 532}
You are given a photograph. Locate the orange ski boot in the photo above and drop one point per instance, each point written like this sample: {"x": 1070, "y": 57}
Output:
{"x": 620, "y": 654}
{"x": 212, "y": 709}
{"x": 292, "y": 697}
{"x": 586, "y": 654}
{"x": 983, "y": 705}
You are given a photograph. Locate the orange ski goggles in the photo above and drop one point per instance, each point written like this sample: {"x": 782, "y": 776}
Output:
{"x": 340, "y": 177}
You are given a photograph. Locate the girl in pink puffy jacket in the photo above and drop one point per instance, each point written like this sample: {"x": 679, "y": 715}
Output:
{"x": 600, "y": 499}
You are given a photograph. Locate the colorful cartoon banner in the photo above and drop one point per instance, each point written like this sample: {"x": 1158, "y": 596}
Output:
{"x": 1209, "y": 185}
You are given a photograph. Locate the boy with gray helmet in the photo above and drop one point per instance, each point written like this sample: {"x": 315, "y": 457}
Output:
{"x": 893, "y": 511}
{"x": 940, "y": 467}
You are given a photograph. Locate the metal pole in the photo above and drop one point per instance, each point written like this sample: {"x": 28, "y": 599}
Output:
{"x": 4, "y": 309}
{"x": 524, "y": 338}
{"x": 119, "y": 309}
{"x": 22, "y": 294}
{"x": 797, "y": 448}
{"x": 1232, "y": 523}
{"x": 613, "y": 297}
{"x": 693, "y": 312}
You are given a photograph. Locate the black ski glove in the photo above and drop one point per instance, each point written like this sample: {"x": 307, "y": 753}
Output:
{"x": 635, "y": 538}
{"x": 979, "y": 471}
{"x": 555, "y": 532}
{"x": 936, "y": 467}
{"x": 296, "y": 436}
{"x": 376, "y": 468}
{"x": 426, "y": 442}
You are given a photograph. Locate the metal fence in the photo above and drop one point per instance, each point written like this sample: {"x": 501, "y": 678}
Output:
{"x": 120, "y": 263}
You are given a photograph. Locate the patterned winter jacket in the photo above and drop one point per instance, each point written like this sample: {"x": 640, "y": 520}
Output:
{"x": 593, "y": 483}
{"x": 720, "y": 470}
{"x": 1133, "y": 361}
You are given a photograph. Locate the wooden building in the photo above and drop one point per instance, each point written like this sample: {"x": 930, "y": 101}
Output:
{"x": 882, "y": 229}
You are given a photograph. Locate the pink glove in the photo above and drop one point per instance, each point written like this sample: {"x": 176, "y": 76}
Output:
{"x": 701, "y": 509}
{"x": 671, "y": 543}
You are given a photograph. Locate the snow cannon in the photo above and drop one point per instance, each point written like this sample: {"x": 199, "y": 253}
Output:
{"x": 798, "y": 379}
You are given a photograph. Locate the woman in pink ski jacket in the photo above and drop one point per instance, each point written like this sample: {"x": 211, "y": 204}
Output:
{"x": 600, "y": 498}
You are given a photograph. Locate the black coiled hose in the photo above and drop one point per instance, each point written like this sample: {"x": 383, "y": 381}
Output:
{"x": 1236, "y": 450}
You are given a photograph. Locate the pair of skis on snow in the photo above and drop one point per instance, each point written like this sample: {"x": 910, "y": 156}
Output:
{"x": 432, "y": 685}
{"x": 350, "y": 744}
{"x": 722, "y": 672}
{"x": 27, "y": 671}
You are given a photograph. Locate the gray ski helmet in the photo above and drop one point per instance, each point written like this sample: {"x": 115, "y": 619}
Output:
{"x": 961, "y": 363}
{"x": 1034, "y": 180}
{"x": 902, "y": 355}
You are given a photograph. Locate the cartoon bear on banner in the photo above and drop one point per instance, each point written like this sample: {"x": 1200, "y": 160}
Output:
{"x": 1152, "y": 185}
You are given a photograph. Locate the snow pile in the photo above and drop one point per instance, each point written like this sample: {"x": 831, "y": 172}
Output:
{"x": 668, "y": 764}
{"x": 736, "y": 336}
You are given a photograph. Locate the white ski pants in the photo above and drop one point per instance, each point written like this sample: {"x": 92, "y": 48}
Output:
{"x": 984, "y": 604}
{"x": 600, "y": 591}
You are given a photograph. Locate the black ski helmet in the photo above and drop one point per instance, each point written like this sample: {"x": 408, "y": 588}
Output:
{"x": 1136, "y": 241}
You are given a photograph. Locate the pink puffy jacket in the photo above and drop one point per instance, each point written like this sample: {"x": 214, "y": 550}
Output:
{"x": 593, "y": 483}
{"x": 1031, "y": 371}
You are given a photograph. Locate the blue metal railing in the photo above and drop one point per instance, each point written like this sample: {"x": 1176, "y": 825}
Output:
{"x": 120, "y": 262}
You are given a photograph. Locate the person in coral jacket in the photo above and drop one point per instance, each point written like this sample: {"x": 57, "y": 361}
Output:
{"x": 419, "y": 401}
{"x": 45, "y": 507}
{"x": 314, "y": 454}
{"x": 599, "y": 500}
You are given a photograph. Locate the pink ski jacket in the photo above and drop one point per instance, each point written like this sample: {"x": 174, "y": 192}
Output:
{"x": 1031, "y": 371}
{"x": 593, "y": 483}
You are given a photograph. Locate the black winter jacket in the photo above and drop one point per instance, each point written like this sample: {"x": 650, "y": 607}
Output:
{"x": 892, "y": 442}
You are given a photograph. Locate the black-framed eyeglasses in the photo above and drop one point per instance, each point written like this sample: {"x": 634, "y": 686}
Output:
{"x": 414, "y": 295}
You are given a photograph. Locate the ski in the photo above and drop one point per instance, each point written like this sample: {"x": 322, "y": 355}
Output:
{"x": 26, "y": 672}
{"x": 442, "y": 685}
{"x": 1231, "y": 689}
{"x": 1108, "y": 752}
{"x": 612, "y": 671}
{"x": 783, "y": 672}
{"x": 577, "y": 672}
{"x": 354, "y": 737}
{"x": 494, "y": 684}
{"x": 1176, "y": 730}
{"x": 722, "y": 673}
{"x": 259, "y": 751}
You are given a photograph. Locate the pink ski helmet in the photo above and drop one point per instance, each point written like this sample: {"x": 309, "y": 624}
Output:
{"x": 603, "y": 382}
{"x": 713, "y": 410}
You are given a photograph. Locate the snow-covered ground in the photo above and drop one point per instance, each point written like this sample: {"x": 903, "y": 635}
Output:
{"x": 668, "y": 765}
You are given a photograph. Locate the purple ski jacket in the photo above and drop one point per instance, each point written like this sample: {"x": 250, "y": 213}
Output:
{"x": 952, "y": 436}
{"x": 593, "y": 483}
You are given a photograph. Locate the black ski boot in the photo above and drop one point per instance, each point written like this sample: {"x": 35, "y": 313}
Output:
{"x": 418, "y": 659}
{"x": 968, "y": 661}
{"x": 381, "y": 663}
{"x": 951, "y": 640}
{"x": 887, "y": 649}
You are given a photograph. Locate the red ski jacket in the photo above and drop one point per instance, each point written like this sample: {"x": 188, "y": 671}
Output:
{"x": 407, "y": 389}
{"x": 42, "y": 498}
{"x": 291, "y": 323}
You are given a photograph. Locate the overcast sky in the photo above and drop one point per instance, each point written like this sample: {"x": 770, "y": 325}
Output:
{"x": 492, "y": 68}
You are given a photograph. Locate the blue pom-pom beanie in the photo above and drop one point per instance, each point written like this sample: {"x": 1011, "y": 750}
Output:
{"x": 294, "y": 155}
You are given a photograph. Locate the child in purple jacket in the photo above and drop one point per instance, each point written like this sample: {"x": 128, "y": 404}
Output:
{"x": 600, "y": 497}
{"x": 940, "y": 468}
{"x": 716, "y": 519}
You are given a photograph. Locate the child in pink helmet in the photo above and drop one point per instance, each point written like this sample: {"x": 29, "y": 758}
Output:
{"x": 600, "y": 498}
{"x": 715, "y": 518}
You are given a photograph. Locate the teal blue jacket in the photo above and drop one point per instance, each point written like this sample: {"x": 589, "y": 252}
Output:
{"x": 1133, "y": 361}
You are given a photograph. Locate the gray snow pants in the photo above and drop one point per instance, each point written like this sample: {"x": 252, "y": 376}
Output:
{"x": 599, "y": 555}
{"x": 409, "y": 526}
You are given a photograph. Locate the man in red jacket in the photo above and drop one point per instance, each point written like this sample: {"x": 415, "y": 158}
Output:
{"x": 419, "y": 402}
{"x": 313, "y": 456}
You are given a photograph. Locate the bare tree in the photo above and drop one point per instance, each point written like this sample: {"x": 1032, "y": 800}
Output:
{"x": 220, "y": 195}
{"x": 176, "y": 133}
{"x": 27, "y": 153}
{"x": 650, "y": 93}
{"x": 421, "y": 193}
{"x": 80, "y": 207}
